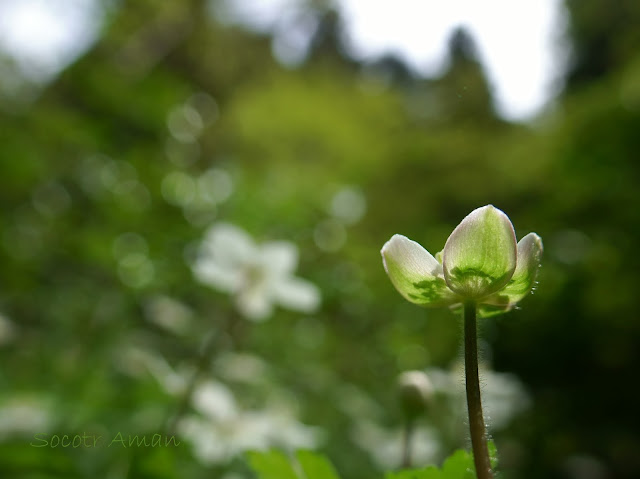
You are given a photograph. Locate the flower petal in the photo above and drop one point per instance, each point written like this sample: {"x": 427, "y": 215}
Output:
{"x": 215, "y": 401}
{"x": 524, "y": 277}
{"x": 296, "y": 294}
{"x": 255, "y": 303}
{"x": 415, "y": 273}
{"x": 223, "y": 278}
{"x": 228, "y": 245}
{"x": 529, "y": 257}
{"x": 279, "y": 257}
{"x": 480, "y": 255}
{"x": 489, "y": 310}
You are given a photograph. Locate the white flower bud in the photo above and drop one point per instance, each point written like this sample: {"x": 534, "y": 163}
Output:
{"x": 415, "y": 393}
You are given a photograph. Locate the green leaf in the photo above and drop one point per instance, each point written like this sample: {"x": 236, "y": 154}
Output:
{"x": 271, "y": 465}
{"x": 275, "y": 465}
{"x": 480, "y": 255}
{"x": 316, "y": 466}
{"x": 415, "y": 273}
{"x": 430, "y": 472}
{"x": 459, "y": 466}
{"x": 493, "y": 455}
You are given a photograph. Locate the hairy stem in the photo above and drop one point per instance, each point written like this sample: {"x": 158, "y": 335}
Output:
{"x": 474, "y": 402}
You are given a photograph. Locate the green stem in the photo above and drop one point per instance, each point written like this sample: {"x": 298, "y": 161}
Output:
{"x": 474, "y": 403}
{"x": 204, "y": 359}
{"x": 406, "y": 443}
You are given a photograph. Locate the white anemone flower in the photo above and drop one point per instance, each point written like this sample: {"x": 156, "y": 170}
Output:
{"x": 24, "y": 416}
{"x": 481, "y": 262}
{"x": 258, "y": 276}
{"x": 222, "y": 430}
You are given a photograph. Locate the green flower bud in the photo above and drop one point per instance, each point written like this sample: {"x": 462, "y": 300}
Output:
{"x": 415, "y": 393}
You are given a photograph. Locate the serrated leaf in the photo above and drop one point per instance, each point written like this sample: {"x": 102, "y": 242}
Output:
{"x": 271, "y": 465}
{"x": 316, "y": 466}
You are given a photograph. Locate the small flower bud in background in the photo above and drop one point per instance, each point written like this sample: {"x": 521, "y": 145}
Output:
{"x": 415, "y": 393}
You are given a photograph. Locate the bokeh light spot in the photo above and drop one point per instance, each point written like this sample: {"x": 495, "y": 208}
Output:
{"x": 330, "y": 235}
{"x": 178, "y": 188}
{"x": 185, "y": 123}
{"x": 129, "y": 243}
{"x": 51, "y": 199}
{"x": 136, "y": 270}
{"x": 348, "y": 205}
{"x": 215, "y": 185}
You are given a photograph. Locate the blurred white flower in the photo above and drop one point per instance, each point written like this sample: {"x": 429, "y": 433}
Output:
{"x": 23, "y": 416}
{"x": 503, "y": 395}
{"x": 7, "y": 330}
{"x": 138, "y": 362}
{"x": 222, "y": 430}
{"x": 242, "y": 368}
{"x": 258, "y": 276}
{"x": 385, "y": 445}
{"x": 168, "y": 313}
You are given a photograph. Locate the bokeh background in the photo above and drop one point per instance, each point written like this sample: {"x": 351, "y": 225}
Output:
{"x": 114, "y": 169}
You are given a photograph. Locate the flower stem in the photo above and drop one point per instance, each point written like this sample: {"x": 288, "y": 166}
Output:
{"x": 474, "y": 403}
{"x": 406, "y": 443}
{"x": 206, "y": 351}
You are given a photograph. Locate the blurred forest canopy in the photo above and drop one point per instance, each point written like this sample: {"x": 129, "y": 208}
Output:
{"x": 174, "y": 121}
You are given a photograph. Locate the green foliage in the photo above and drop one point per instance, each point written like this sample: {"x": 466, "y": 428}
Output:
{"x": 316, "y": 466}
{"x": 457, "y": 466}
{"x": 272, "y": 465}
{"x": 275, "y": 465}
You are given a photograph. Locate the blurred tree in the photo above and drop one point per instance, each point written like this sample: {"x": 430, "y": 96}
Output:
{"x": 603, "y": 35}
{"x": 328, "y": 42}
{"x": 463, "y": 89}
{"x": 390, "y": 69}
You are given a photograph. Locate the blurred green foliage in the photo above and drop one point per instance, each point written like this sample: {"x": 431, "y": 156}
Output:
{"x": 104, "y": 192}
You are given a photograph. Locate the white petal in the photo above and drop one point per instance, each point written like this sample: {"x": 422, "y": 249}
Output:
{"x": 229, "y": 245}
{"x": 480, "y": 255}
{"x": 215, "y": 401}
{"x": 279, "y": 257}
{"x": 296, "y": 294}
{"x": 255, "y": 303}
{"x": 212, "y": 273}
{"x": 415, "y": 273}
{"x": 529, "y": 257}
{"x": 523, "y": 279}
